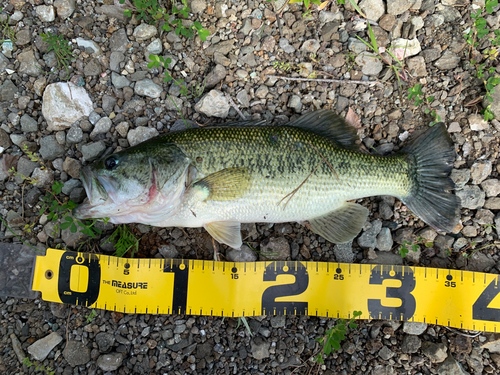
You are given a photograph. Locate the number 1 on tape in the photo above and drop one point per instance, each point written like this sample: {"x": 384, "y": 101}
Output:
{"x": 455, "y": 298}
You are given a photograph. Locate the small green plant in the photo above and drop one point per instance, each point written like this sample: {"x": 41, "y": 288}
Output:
{"x": 284, "y": 66}
{"x": 61, "y": 48}
{"x": 123, "y": 240}
{"x": 398, "y": 55}
{"x": 62, "y": 210}
{"x": 243, "y": 320}
{"x": 152, "y": 12}
{"x": 38, "y": 367}
{"x": 415, "y": 93}
{"x": 7, "y": 33}
{"x": 91, "y": 316}
{"x": 473, "y": 37}
{"x": 407, "y": 245}
{"x": 334, "y": 336}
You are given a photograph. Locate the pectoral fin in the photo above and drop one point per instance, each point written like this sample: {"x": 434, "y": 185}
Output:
{"x": 224, "y": 185}
{"x": 226, "y": 232}
{"x": 341, "y": 225}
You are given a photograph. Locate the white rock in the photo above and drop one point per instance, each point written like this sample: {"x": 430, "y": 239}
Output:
{"x": 213, "y": 104}
{"x": 102, "y": 126}
{"x": 144, "y": 32}
{"x": 405, "y": 47}
{"x": 65, "y": 8}
{"x": 373, "y": 9}
{"x": 46, "y": 13}
{"x": 89, "y": 44}
{"x": 370, "y": 64}
{"x": 477, "y": 122}
{"x": 63, "y": 104}
{"x": 140, "y": 134}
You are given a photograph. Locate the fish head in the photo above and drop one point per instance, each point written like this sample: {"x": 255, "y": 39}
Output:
{"x": 130, "y": 185}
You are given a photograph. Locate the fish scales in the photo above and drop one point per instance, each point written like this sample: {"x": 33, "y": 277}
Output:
{"x": 280, "y": 159}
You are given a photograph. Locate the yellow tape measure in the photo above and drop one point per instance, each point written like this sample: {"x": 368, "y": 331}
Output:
{"x": 454, "y": 298}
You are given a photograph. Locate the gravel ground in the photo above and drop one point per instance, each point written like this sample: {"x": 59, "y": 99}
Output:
{"x": 114, "y": 101}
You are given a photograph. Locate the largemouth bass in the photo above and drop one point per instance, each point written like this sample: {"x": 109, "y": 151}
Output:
{"x": 306, "y": 171}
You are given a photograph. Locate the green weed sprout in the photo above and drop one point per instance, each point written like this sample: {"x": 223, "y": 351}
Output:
{"x": 61, "y": 48}
{"x": 416, "y": 93}
{"x": 123, "y": 240}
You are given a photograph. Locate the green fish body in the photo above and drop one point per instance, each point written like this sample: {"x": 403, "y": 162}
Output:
{"x": 305, "y": 171}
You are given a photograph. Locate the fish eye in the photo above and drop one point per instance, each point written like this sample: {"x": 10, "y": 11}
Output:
{"x": 111, "y": 163}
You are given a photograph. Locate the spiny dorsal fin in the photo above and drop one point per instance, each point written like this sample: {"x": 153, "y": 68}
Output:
{"x": 225, "y": 185}
{"x": 226, "y": 232}
{"x": 341, "y": 225}
{"x": 329, "y": 125}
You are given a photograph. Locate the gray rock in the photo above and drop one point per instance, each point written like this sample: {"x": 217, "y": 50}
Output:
{"x": 343, "y": 252}
{"x": 416, "y": 66}
{"x": 370, "y": 65}
{"x": 5, "y": 141}
{"x": 154, "y": 48}
{"x": 342, "y": 103}
{"x": 65, "y": 8}
{"x": 144, "y": 32}
{"x": 268, "y": 43}
{"x": 460, "y": 177}
{"x": 180, "y": 125}
{"x": 325, "y": 17}
{"x": 119, "y": 41}
{"x": 114, "y": 61}
{"x": 275, "y": 248}
{"x": 112, "y": 11}
{"x": 92, "y": 151}
{"x": 397, "y": 7}
{"x": 491, "y": 187}
{"x": 492, "y": 203}
{"x": 140, "y": 134}
{"x": 471, "y": 197}
{"x": 43, "y": 177}
{"x": 450, "y": 14}
{"x": 92, "y": 69}
{"x": 213, "y": 104}
{"x": 244, "y": 255}
{"x": 384, "y": 240}
{"x": 480, "y": 262}
{"x": 109, "y": 362}
{"x": 4, "y": 61}
{"x": 414, "y": 328}
{"x": 310, "y": 46}
{"x": 198, "y": 6}
{"x": 28, "y": 124}
{"x": 385, "y": 353}
{"x": 50, "y": 149}
{"x": 215, "y": 76}
{"x": 262, "y": 92}
{"x": 76, "y": 353}
{"x": 369, "y": 238}
{"x": 431, "y": 54}
{"x": 286, "y": 46}
{"x": 72, "y": 240}
{"x": 18, "y": 139}
{"x": 295, "y": 103}
{"x": 260, "y": 348}
{"x": 451, "y": 367}
{"x": 435, "y": 352}
{"x": 59, "y": 310}
{"x": 477, "y": 122}
{"x": 480, "y": 171}
{"x": 411, "y": 344}
{"x": 25, "y": 167}
{"x": 168, "y": 251}
{"x": 174, "y": 103}
{"x": 148, "y": 88}
{"x": 101, "y": 127}
{"x": 46, "y": 13}
{"x": 40, "y": 349}
{"x": 385, "y": 257}
{"x": 242, "y": 98}
{"x": 449, "y": 60}
{"x": 7, "y": 90}
{"x": 105, "y": 341}
{"x": 64, "y": 104}
{"x": 74, "y": 135}
{"x": 356, "y": 46}
{"x": 29, "y": 64}
{"x": 70, "y": 185}
{"x": 373, "y": 9}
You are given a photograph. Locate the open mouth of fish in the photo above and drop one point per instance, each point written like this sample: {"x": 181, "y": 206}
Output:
{"x": 96, "y": 193}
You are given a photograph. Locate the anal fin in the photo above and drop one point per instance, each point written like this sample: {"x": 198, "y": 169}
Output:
{"x": 226, "y": 232}
{"x": 341, "y": 225}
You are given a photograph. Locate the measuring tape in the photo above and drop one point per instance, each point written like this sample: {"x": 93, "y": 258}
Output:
{"x": 461, "y": 299}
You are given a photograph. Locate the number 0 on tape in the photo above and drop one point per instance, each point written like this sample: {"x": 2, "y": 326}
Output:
{"x": 454, "y": 298}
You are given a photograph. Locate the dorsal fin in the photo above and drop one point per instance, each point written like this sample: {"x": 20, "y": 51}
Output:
{"x": 330, "y": 125}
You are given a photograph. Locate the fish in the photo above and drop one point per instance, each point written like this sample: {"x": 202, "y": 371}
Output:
{"x": 309, "y": 170}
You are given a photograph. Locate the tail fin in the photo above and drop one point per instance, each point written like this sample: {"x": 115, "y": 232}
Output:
{"x": 431, "y": 156}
